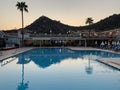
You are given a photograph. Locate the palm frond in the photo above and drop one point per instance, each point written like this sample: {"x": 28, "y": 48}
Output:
{"x": 89, "y": 21}
{"x": 22, "y": 6}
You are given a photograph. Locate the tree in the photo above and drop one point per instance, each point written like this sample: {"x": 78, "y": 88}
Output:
{"x": 22, "y": 7}
{"x": 89, "y": 21}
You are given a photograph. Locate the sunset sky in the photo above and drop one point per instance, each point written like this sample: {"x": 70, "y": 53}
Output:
{"x": 71, "y": 12}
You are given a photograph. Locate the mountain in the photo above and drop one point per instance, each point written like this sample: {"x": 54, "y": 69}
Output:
{"x": 111, "y": 22}
{"x": 47, "y": 25}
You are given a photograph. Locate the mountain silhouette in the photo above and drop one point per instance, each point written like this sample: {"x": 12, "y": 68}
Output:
{"x": 47, "y": 25}
{"x": 111, "y": 22}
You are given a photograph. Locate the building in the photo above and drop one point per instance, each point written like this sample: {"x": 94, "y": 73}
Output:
{"x": 79, "y": 38}
{"x": 2, "y": 39}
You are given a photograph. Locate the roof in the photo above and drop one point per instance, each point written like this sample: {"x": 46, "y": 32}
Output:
{"x": 2, "y": 34}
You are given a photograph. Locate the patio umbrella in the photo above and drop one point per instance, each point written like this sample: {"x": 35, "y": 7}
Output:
{"x": 56, "y": 41}
{"x": 105, "y": 42}
{"x": 95, "y": 42}
{"x": 108, "y": 43}
{"x": 118, "y": 43}
{"x": 102, "y": 44}
{"x": 113, "y": 42}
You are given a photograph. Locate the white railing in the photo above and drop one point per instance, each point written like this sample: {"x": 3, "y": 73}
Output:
{"x": 54, "y": 35}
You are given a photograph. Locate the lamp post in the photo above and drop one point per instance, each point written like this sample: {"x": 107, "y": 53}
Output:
{"x": 50, "y": 32}
{"x": 50, "y": 36}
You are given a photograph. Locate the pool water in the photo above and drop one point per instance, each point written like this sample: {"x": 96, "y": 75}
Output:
{"x": 59, "y": 69}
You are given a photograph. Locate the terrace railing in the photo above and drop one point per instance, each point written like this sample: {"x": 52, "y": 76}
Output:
{"x": 67, "y": 36}
{"x": 54, "y": 35}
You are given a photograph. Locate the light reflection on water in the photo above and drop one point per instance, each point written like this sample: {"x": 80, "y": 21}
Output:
{"x": 58, "y": 69}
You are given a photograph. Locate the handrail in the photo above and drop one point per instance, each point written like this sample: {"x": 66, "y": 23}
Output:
{"x": 63, "y": 36}
{"x": 54, "y": 35}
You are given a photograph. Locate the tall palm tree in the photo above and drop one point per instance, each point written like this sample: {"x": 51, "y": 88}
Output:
{"x": 89, "y": 21}
{"x": 22, "y": 7}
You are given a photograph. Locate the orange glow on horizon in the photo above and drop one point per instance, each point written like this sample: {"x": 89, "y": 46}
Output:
{"x": 73, "y": 13}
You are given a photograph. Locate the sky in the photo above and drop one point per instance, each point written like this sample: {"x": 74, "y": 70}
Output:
{"x": 70, "y": 12}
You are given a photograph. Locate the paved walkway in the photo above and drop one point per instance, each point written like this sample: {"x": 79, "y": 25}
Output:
{"x": 90, "y": 48}
{"x": 114, "y": 62}
{"x": 9, "y": 53}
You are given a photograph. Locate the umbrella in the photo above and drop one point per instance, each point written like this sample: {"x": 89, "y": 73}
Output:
{"x": 108, "y": 43}
{"x": 113, "y": 42}
{"x": 105, "y": 42}
{"x": 102, "y": 44}
{"x": 118, "y": 43}
{"x": 95, "y": 42}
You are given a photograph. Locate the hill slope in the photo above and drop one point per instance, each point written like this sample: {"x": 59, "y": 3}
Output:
{"x": 46, "y": 25}
{"x": 108, "y": 23}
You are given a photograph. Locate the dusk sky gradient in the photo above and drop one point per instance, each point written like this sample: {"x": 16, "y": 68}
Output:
{"x": 71, "y": 12}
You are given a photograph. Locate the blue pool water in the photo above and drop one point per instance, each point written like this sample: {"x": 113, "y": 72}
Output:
{"x": 58, "y": 69}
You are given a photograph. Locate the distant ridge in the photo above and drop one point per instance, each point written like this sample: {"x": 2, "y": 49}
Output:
{"x": 44, "y": 25}
{"x": 111, "y": 22}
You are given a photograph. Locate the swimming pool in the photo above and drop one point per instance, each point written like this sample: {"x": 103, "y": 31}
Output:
{"x": 58, "y": 69}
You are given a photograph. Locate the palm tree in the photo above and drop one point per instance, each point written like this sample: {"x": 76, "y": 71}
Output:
{"x": 89, "y": 21}
{"x": 22, "y": 7}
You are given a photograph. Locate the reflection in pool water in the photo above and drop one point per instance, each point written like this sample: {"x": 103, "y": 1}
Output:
{"x": 58, "y": 69}
{"x": 46, "y": 57}
{"x": 23, "y": 85}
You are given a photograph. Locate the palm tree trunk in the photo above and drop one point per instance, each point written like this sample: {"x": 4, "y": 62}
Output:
{"x": 22, "y": 29}
{"x": 89, "y": 37}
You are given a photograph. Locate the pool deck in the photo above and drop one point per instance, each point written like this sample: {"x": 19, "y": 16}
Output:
{"x": 113, "y": 62}
{"x": 8, "y": 53}
{"x": 108, "y": 61}
{"x": 90, "y": 48}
